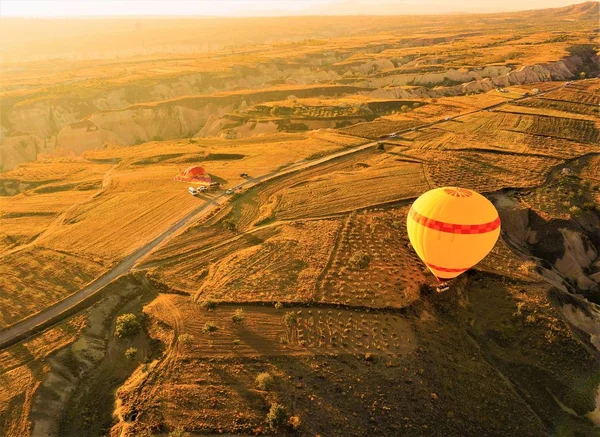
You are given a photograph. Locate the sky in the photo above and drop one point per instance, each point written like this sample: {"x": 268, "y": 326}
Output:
{"x": 246, "y": 8}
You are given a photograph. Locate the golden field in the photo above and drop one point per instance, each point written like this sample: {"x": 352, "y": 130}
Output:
{"x": 305, "y": 272}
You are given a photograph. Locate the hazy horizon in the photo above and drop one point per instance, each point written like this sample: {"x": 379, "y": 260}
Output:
{"x": 258, "y": 8}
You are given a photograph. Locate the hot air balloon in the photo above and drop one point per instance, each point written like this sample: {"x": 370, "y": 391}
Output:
{"x": 194, "y": 174}
{"x": 452, "y": 229}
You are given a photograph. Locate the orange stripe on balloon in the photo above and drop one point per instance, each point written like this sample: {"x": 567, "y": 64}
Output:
{"x": 445, "y": 269}
{"x": 453, "y": 228}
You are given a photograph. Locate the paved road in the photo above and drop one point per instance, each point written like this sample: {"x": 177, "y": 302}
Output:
{"x": 27, "y": 326}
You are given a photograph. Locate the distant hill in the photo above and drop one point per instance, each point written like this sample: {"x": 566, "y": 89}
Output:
{"x": 579, "y": 11}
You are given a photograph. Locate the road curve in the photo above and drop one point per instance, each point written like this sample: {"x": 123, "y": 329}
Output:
{"x": 28, "y": 326}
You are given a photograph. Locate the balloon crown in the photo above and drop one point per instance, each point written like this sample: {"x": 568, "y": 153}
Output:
{"x": 458, "y": 192}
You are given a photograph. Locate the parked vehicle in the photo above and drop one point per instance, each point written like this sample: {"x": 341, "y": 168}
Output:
{"x": 192, "y": 191}
{"x": 230, "y": 191}
{"x": 243, "y": 175}
{"x": 202, "y": 189}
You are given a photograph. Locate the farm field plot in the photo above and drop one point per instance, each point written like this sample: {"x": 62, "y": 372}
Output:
{"x": 34, "y": 196}
{"x": 577, "y": 130}
{"x": 191, "y": 242}
{"x": 185, "y": 271}
{"x": 286, "y": 265}
{"x": 35, "y": 278}
{"x": 26, "y": 216}
{"x": 561, "y": 107}
{"x": 552, "y": 111}
{"x": 371, "y": 264}
{"x": 377, "y": 128}
{"x": 226, "y": 159}
{"x": 266, "y": 331}
{"x": 586, "y": 95}
{"x": 486, "y": 171}
{"x": 518, "y": 133}
{"x": 379, "y": 179}
{"x": 135, "y": 208}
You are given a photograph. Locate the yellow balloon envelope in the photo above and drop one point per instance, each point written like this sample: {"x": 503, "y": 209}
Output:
{"x": 452, "y": 229}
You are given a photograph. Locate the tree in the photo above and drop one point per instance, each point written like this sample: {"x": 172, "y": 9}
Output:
{"x": 127, "y": 325}
{"x": 277, "y": 416}
{"x": 131, "y": 353}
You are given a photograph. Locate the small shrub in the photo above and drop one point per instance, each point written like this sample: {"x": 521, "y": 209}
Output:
{"x": 179, "y": 432}
{"x": 289, "y": 319}
{"x": 264, "y": 381}
{"x": 208, "y": 305}
{"x": 131, "y": 353}
{"x": 229, "y": 224}
{"x": 237, "y": 342}
{"x": 127, "y": 325}
{"x": 360, "y": 260}
{"x": 294, "y": 422}
{"x": 277, "y": 416}
{"x": 186, "y": 339}
{"x": 278, "y": 305}
{"x": 528, "y": 267}
{"x": 238, "y": 316}
{"x": 574, "y": 210}
{"x": 210, "y": 328}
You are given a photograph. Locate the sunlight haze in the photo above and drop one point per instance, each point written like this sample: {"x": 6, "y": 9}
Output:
{"x": 242, "y": 8}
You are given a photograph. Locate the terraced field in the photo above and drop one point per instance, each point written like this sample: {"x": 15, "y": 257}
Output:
{"x": 372, "y": 264}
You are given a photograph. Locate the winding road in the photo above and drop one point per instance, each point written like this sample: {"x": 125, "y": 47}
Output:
{"x": 47, "y": 317}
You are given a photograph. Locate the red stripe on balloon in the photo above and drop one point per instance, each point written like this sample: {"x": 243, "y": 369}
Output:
{"x": 453, "y": 228}
{"x": 445, "y": 269}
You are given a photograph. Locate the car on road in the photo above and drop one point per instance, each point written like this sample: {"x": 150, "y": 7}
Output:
{"x": 447, "y": 118}
{"x": 394, "y": 135}
{"x": 230, "y": 191}
{"x": 243, "y": 175}
{"x": 192, "y": 191}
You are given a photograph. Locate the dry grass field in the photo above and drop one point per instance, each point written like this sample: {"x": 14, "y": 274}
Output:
{"x": 305, "y": 272}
